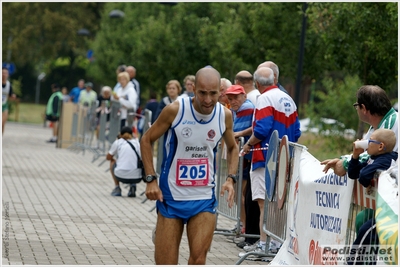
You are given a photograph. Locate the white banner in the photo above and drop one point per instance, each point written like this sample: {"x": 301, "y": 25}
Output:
{"x": 317, "y": 213}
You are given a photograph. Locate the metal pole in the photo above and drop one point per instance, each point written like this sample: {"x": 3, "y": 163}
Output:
{"x": 301, "y": 55}
{"x": 39, "y": 79}
{"x": 37, "y": 91}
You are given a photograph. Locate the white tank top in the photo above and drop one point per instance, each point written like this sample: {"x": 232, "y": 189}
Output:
{"x": 190, "y": 145}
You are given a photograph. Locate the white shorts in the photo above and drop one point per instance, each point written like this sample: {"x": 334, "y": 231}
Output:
{"x": 257, "y": 183}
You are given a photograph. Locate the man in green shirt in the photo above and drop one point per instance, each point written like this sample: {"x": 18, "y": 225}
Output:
{"x": 53, "y": 110}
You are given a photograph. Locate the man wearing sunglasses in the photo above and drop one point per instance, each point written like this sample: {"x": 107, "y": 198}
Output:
{"x": 373, "y": 107}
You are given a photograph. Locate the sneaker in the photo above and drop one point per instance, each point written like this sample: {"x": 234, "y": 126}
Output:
{"x": 243, "y": 244}
{"x": 239, "y": 239}
{"x": 274, "y": 246}
{"x": 251, "y": 247}
{"x": 52, "y": 140}
{"x": 132, "y": 191}
{"x": 258, "y": 249}
{"x": 116, "y": 192}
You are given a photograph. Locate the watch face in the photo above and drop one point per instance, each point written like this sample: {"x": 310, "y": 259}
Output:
{"x": 150, "y": 178}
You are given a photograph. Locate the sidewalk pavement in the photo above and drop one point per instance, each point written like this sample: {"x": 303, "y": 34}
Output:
{"x": 57, "y": 210}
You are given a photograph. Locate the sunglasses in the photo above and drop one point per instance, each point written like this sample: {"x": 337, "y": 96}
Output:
{"x": 374, "y": 141}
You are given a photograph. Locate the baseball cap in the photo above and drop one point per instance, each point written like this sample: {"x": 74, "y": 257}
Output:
{"x": 235, "y": 90}
{"x": 89, "y": 84}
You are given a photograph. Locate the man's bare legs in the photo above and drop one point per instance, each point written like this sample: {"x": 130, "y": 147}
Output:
{"x": 4, "y": 119}
{"x": 112, "y": 163}
{"x": 200, "y": 232}
{"x": 55, "y": 129}
{"x": 242, "y": 208}
{"x": 263, "y": 236}
{"x": 167, "y": 241}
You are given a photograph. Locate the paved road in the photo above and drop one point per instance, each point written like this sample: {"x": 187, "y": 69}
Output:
{"x": 57, "y": 209}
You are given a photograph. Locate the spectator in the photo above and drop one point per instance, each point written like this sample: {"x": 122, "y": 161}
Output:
{"x": 188, "y": 82}
{"x": 373, "y": 107}
{"x": 121, "y": 68}
{"x": 152, "y": 105}
{"x": 173, "y": 89}
{"x": 380, "y": 150}
{"x": 243, "y": 110}
{"x": 103, "y": 106}
{"x": 179, "y": 203}
{"x": 76, "y": 91}
{"x": 126, "y": 95}
{"x": 7, "y": 93}
{"x": 245, "y": 79}
{"x": 274, "y": 67}
{"x": 124, "y": 169}
{"x": 132, "y": 76}
{"x": 275, "y": 110}
{"x": 53, "y": 110}
{"x": 88, "y": 96}
{"x": 66, "y": 97}
{"x": 225, "y": 83}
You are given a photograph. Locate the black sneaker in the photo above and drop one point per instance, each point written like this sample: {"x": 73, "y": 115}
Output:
{"x": 132, "y": 191}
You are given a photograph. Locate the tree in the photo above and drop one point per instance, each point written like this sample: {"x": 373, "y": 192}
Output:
{"x": 359, "y": 38}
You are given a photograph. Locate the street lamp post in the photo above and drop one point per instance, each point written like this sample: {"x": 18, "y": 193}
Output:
{"x": 301, "y": 55}
{"x": 39, "y": 79}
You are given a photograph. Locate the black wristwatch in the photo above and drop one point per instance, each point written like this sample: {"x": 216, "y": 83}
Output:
{"x": 149, "y": 178}
{"x": 233, "y": 176}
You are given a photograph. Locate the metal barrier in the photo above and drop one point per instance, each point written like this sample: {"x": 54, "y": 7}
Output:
{"x": 363, "y": 205}
{"x": 83, "y": 128}
{"x": 275, "y": 218}
{"x": 223, "y": 207}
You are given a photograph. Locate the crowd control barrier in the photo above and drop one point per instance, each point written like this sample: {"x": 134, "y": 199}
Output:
{"x": 277, "y": 183}
{"x": 223, "y": 209}
{"x": 82, "y": 129}
{"x": 310, "y": 212}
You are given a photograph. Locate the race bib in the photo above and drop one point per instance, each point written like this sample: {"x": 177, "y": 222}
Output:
{"x": 192, "y": 172}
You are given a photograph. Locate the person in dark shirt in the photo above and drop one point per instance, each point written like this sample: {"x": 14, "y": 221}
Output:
{"x": 7, "y": 93}
{"x": 380, "y": 148}
{"x": 152, "y": 105}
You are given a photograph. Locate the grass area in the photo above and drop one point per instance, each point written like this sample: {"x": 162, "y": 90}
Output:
{"x": 323, "y": 147}
{"x": 27, "y": 113}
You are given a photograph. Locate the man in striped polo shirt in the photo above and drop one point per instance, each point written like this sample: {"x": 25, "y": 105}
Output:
{"x": 243, "y": 109}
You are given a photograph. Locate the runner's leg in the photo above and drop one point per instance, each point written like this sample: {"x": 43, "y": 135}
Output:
{"x": 167, "y": 241}
{"x": 200, "y": 231}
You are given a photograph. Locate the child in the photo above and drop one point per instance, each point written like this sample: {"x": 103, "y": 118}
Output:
{"x": 380, "y": 149}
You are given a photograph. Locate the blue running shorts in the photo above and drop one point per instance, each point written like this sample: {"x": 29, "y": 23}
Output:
{"x": 184, "y": 210}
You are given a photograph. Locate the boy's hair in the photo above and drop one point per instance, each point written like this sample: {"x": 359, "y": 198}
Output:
{"x": 386, "y": 136}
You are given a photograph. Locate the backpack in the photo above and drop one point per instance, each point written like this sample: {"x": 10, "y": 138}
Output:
{"x": 139, "y": 160}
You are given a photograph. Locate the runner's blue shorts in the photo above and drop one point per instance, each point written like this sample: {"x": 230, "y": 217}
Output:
{"x": 185, "y": 210}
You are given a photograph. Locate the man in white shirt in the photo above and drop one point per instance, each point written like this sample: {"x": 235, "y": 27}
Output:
{"x": 245, "y": 79}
